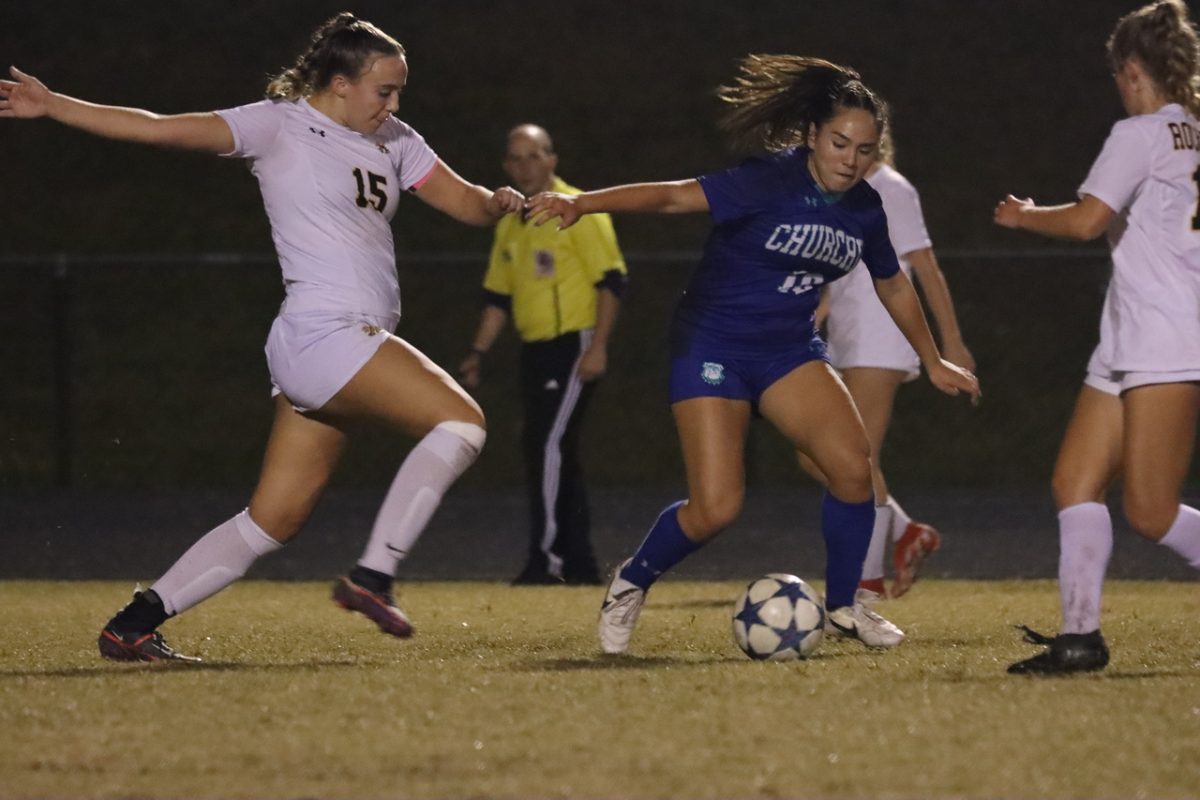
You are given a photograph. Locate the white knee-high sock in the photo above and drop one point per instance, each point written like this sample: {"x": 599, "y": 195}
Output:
{"x": 1184, "y": 535}
{"x": 416, "y": 492}
{"x": 873, "y": 564}
{"x": 1085, "y": 537}
{"x": 899, "y": 519}
{"x": 220, "y": 557}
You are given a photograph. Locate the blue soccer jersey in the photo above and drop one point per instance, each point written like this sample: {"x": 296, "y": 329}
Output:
{"x": 776, "y": 239}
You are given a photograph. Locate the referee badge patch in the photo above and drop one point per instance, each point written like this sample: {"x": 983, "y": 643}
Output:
{"x": 543, "y": 263}
{"x": 712, "y": 373}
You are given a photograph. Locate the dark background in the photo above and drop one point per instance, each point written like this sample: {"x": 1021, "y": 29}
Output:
{"x": 166, "y": 376}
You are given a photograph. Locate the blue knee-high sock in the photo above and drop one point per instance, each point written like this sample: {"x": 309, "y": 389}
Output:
{"x": 847, "y": 531}
{"x": 664, "y": 546}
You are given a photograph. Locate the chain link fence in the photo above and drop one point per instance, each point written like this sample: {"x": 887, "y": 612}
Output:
{"x": 147, "y": 371}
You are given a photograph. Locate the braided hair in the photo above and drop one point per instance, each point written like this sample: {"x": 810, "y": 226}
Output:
{"x": 1162, "y": 38}
{"x": 342, "y": 45}
{"x": 775, "y": 99}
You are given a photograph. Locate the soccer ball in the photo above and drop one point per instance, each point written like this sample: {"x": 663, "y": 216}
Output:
{"x": 778, "y": 618}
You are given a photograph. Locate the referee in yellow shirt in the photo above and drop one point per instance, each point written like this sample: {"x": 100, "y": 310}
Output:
{"x": 562, "y": 289}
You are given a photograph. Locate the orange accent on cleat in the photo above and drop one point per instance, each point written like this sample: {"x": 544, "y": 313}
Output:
{"x": 134, "y": 647}
{"x": 918, "y": 541}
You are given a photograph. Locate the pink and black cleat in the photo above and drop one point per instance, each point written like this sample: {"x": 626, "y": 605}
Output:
{"x": 379, "y": 608}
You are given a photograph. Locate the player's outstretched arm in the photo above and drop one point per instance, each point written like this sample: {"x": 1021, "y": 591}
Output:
{"x": 449, "y": 193}
{"x": 900, "y": 299}
{"x": 941, "y": 306}
{"x": 25, "y": 97}
{"x": 668, "y": 197}
{"x": 1083, "y": 221}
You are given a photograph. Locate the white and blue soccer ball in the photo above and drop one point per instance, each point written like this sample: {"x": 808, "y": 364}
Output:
{"x": 778, "y": 618}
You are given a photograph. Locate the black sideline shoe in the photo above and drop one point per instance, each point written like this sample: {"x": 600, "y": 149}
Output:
{"x": 1067, "y": 653}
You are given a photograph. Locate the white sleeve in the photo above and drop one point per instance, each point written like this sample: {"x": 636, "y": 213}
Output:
{"x": 1120, "y": 168}
{"x": 413, "y": 158}
{"x": 906, "y": 223}
{"x": 255, "y": 127}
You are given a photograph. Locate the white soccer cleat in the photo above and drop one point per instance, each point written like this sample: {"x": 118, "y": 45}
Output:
{"x": 619, "y": 613}
{"x": 859, "y": 622}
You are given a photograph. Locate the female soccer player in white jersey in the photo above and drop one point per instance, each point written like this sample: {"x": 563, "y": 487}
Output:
{"x": 1136, "y": 413}
{"x": 743, "y": 339}
{"x": 874, "y": 358}
{"x": 331, "y": 161}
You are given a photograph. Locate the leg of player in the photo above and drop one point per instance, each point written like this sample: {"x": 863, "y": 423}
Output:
{"x": 712, "y": 434}
{"x": 1088, "y": 460}
{"x": 811, "y": 407}
{"x": 301, "y": 454}
{"x": 400, "y": 387}
{"x": 874, "y": 393}
{"x": 1160, "y": 428}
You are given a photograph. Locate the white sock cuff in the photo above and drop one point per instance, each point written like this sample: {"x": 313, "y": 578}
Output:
{"x": 469, "y": 432}
{"x": 1184, "y": 535}
{"x": 456, "y": 443}
{"x": 255, "y": 537}
{"x": 1081, "y": 510}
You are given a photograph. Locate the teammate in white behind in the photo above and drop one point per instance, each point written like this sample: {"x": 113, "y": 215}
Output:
{"x": 1136, "y": 413}
{"x": 331, "y": 161}
{"x": 874, "y": 358}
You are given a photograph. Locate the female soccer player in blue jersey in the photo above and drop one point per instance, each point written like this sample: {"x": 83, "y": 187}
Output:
{"x": 743, "y": 339}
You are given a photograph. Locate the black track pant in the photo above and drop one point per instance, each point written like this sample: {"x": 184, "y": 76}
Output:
{"x": 554, "y": 400}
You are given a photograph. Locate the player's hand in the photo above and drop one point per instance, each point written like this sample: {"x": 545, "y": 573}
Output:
{"x": 24, "y": 97}
{"x": 506, "y": 200}
{"x": 1009, "y": 210}
{"x": 953, "y": 380}
{"x": 543, "y": 207}
{"x": 957, "y": 353}
{"x": 592, "y": 364}
{"x": 470, "y": 371}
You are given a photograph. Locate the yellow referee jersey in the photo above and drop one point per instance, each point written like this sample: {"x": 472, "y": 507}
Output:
{"x": 551, "y": 275}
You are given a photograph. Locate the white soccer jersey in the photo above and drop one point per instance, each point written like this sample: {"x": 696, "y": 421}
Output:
{"x": 330, "y": 194}
{"x": 1147, "y": 172}
{"x": 860, "y": 330}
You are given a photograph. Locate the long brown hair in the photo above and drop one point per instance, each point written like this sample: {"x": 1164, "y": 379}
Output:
{"x": 342, "y": 45}
{"x": 775, "y": 98}
{"x": 1162, "y": 38}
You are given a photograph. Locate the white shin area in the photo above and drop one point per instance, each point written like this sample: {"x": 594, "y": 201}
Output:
{"x": 1085, "y": 535}
{"x": 880, "y": 533}
{"x": 218, "y": 559}
{"x": 417, "y": 490}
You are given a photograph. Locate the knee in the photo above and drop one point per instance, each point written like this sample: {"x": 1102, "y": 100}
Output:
{"x": 1149, "y": 518}
{"x": 706, "y": 517}
{"x": 1070, "y": 490}
{"x": 281, "y": 524}
{"x": 851, "y": 479}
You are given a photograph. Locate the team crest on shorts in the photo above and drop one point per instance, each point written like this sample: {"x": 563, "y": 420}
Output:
{"x": 712, "y": 373}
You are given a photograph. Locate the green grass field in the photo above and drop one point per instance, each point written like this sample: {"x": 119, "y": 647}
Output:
{"x": 503, "y": 693}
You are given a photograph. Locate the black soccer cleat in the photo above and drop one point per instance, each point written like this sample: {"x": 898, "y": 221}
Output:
{"x": 138, "y": 647}
{"x": 1067, "y": 653}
